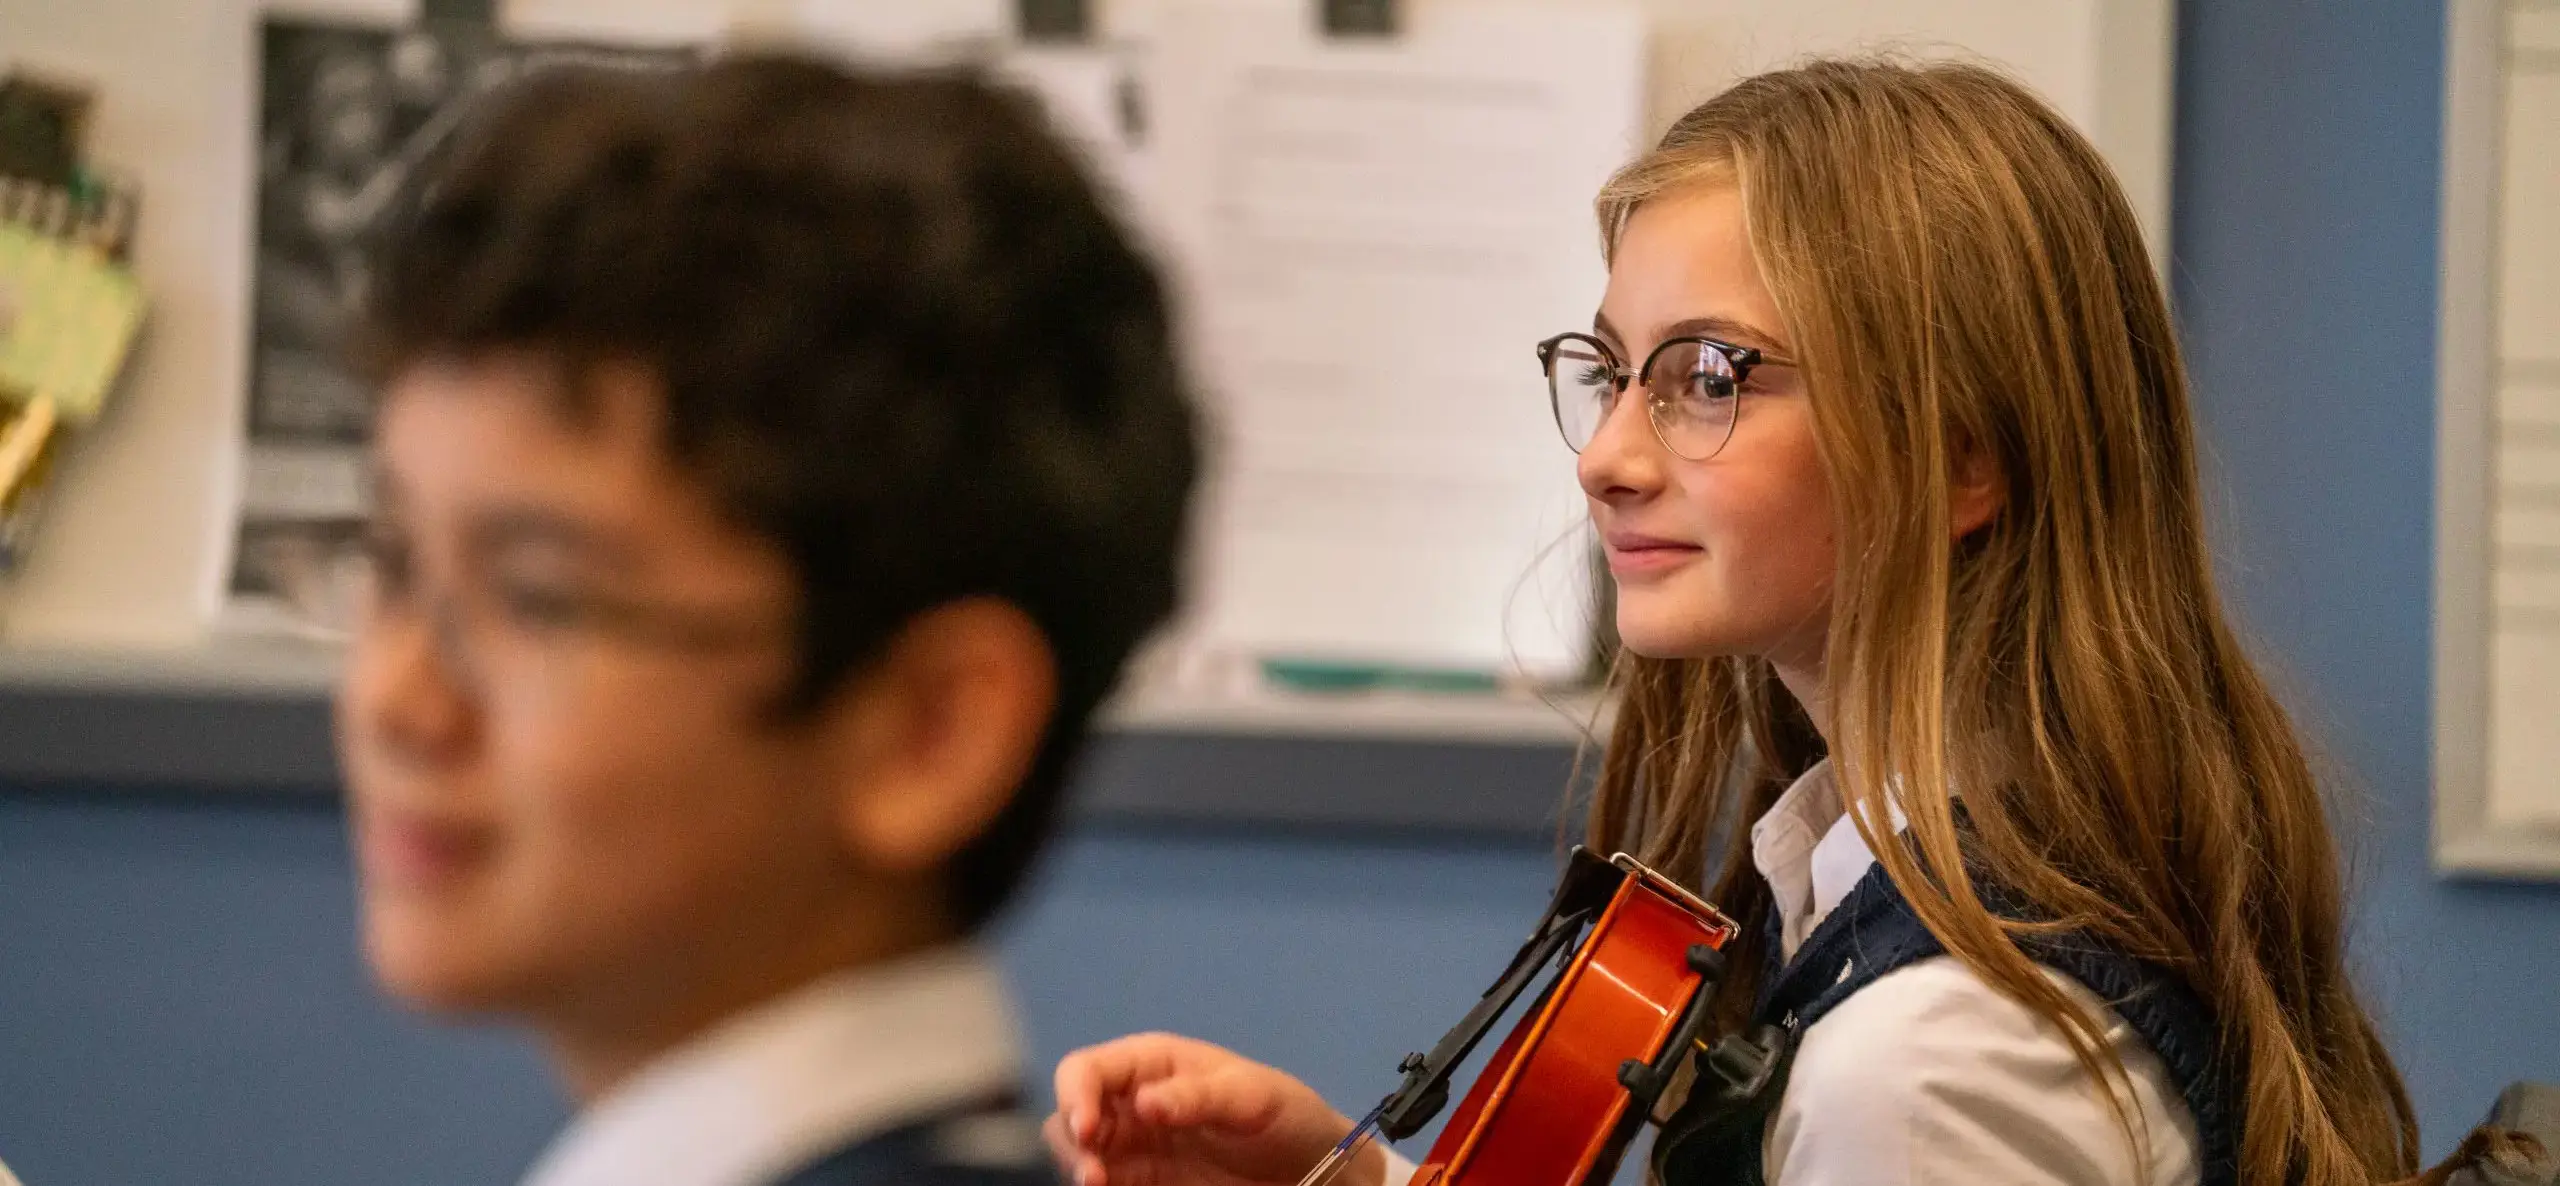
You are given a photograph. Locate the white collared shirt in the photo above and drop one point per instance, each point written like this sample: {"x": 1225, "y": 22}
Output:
{"x": 1928, "y": 1076}
{"x": 854, "y": 1055}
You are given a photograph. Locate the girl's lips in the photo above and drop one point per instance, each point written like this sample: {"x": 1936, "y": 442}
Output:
{"x": 1634, "y": 554}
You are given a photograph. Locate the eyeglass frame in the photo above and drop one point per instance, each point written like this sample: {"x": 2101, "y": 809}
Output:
{"x": 1740, "y": 358}
{"x": 452, "y": 616}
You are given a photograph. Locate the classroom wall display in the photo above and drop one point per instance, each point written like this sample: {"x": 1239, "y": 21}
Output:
{"x": 226, "y": 490}
{"x": 346, "y": 112}
{"x": 2498, "y": 442}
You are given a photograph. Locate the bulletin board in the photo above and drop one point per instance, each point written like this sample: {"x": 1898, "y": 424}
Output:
{"x": 2497, "y": 751}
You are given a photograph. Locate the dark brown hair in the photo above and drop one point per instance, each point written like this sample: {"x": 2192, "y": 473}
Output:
{"x": 897, "y": 331}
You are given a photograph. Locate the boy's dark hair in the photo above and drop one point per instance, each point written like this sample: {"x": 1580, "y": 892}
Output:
{"x": 898, "y": 334}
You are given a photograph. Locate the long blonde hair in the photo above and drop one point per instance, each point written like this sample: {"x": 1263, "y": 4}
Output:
{"x": 1960, "y": 275}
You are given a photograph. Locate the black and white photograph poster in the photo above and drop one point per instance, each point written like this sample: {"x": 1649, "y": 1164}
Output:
{"x": 345, "y": 112}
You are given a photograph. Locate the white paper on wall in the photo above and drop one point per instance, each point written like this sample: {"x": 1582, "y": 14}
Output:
{"x": 1374, "y": 235}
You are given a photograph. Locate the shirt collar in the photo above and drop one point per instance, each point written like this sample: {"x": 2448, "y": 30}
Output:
{"x": 1810, "y": 854}
{"x": 844, "y": 1058}
{"x": 1782, "y": 846}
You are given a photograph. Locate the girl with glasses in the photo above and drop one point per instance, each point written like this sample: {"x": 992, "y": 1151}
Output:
{"x": 1884, "y": 429}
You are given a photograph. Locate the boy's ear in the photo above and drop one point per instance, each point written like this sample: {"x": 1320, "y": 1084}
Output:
{"x": 937, "y": 737}
{"x": 1977, "y": 489}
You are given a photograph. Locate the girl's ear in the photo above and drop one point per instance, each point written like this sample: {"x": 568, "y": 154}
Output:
{"x": 1977, "y": 489}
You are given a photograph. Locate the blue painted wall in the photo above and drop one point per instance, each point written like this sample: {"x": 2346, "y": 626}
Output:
{"x": 180, "y": 999}
{"x": 2307, "y": 166}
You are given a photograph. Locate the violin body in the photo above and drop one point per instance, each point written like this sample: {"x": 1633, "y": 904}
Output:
{"x": 1580, "y": 1074}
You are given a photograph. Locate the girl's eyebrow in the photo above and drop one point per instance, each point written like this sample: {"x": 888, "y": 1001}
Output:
{"x": 1600, "y": 325}
{"x": 1723, "y": 329}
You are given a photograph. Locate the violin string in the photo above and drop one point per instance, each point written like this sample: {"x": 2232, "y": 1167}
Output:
{"x": 1345, "y": 1149}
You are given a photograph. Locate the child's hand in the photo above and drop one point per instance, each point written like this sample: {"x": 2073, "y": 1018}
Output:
{"x": 1164, "y": 1110}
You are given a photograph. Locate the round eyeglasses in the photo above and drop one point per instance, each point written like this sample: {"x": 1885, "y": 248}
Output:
{"x": 1692, "y": 387}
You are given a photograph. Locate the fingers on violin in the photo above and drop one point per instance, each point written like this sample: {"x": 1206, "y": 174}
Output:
{"x": 1080, "y": 1083}
{"x": 1062, "y": 1144}
{"x": 1240, "y": 1098}
{"x": 1090, "y": 1081}
{"x": 1075, "y": 1166}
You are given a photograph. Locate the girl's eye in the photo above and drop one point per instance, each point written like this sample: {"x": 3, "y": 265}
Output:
{"x": 1708, "y": 383}
{"x": 1592, "y": 374}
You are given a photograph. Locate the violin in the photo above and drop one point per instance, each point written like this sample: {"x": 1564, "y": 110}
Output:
{"x": 1632, "y": 960}
{"x": 1635, "y": 959}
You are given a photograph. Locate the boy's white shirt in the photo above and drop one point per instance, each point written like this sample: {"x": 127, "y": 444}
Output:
{"x": 851, "y": 1056}
{"x": 1929, "y": 1076}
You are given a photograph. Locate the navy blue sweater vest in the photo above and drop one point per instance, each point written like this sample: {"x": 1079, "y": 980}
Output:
{"x": 1873, "y": 932}
{"x": 946, "y": 1150}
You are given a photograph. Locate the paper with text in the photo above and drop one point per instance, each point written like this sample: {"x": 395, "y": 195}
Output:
{"x": 1373, "y": 236}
